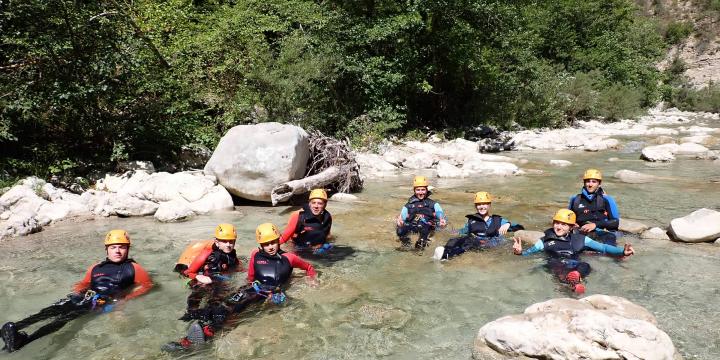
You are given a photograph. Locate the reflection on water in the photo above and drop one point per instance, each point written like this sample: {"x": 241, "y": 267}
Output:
{"x": 374, "y": 301}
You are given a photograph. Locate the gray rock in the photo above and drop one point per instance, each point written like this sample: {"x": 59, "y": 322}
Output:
{"x": 448, "y": 170}
{"x": 127, "y": 205}
{"x": 655, "y": 233}
{"x": 601, "y": 145}
{"x": 396, "y": 156}
{"x": 595, "y": 327}
{"x": 216, "y": 198}
{"x": 252, "y": 159}
{"x": 373, "y": 165}
{"x": 194, "y": 156}
{"x": 632, "y": 226}
{"x": 423, "y": 160}
{"x": 480, "y": 167}
{"x": 699, "y": 226}
{"x": 633, "y": 177}
{"x": 379, "y": 315}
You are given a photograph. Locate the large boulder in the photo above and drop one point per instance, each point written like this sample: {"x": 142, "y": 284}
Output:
{"x": 665, "y": 152}
{"x": 174, "y": 211}
{"x": 217, "y": 198}
{"x": 699, "y": 226}
{"x": 689, "y": 148}
{"x": 595, "y": 327}
{"x": 396, "y": 156}
{"x": 422, "y": 160}
{"x": 633, "y": 177}
{"x": 448, "y": 170}
{"x": 373, "y": 165}
{"x": 252, "y": 159}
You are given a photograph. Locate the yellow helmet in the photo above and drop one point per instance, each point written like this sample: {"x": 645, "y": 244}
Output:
{"x": 565, "y": 216}
{"x": 420, "y": 181}
{"x": 117, "y": 237}
{"x": 592, "y": 174}
{"x": 266, "y": 233}
{"x": 318, "y": 194}
{"x": 483, "y": 197}
{"x": 225, "y": 232}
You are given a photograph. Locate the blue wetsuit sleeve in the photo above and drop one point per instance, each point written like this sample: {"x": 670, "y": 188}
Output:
{"x": 504, "y": 221}
{"x": 404, "y": 213}
{"x": 439, "y": 213}
{"x": 572, "y": 198}
{"x": 603, "y": 248}
{"x": 465, "y": 229}
{"x": 539, "y": 246}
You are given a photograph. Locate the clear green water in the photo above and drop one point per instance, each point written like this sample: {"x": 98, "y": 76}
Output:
{"x": 433, "y": 310}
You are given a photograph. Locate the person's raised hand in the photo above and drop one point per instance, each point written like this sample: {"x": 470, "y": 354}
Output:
{"x": 628, "y": 250}
{"x": 442, "y": 222}
{"x": 588, "y": 228}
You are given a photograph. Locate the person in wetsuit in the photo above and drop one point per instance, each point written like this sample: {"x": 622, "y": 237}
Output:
{"x": 563, "y": 247}
{"x": 597, "y": 213}
{"x": 208, "y": 272}
{"x": 483, "y": 230}
{"x": 269, "y": 270}
{"x": 310, "y": 226}
{"x": 116, "y": 278}
{"x": 421, "y": 214}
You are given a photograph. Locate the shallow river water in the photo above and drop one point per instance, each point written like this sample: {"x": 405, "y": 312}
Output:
{"x": 374, "y": 301}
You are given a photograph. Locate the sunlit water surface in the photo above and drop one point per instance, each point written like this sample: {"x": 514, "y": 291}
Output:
{"x": 377, "y": 301}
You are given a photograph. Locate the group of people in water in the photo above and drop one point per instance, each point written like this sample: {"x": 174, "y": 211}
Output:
{"x": 589, "y": 222}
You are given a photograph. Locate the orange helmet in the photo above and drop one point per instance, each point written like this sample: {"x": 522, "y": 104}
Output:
{"x": 318, "y": 194}
{"x": 483, "y": 198}
{"x": 117, "y": 237}
{"x": 592, "y": 174}
{"x": 565, "y": 216}
{"x": 266, "y": 233}
{"x": 225, "y": 232}
{"x": 420, "y": 181}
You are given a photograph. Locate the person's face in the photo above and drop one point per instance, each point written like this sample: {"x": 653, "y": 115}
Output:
{"x": 317, "y": 206}
{"x": 561, "y": 228}
{"x": 420, "y": 192}
{"x": 271, "y": 248}
{"x": 591, "y": 185}
{"x": 483, "y": 208}
{"x": 225, "y": 246}
{"x": 117, "y": 252}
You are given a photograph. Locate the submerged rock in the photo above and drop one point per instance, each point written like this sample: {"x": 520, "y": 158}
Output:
{"x": 632, "y": 226}
{"x": 379, "y": 315}
{"x": 252, "y": 159}
{"x": 699, "y": 226}
{"x": 633, "y": 177}
{"x": 595, "y": 327}
{"x": 560, "y": 163}
{"x": 655, "y": 233}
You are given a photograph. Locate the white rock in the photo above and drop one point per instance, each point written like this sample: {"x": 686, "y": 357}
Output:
{"x": 50, "y": 212}
{"x": 665, "y": 152}
{"x": 655, "y": 233}
{"x": 343, "y": 197}
{"x": 217, "y": 198}
{"x": 127, "y": 205}
{"x": 690, "y": 149}
{"x": 372, "y": 165}
{"x": 633, "y": 177}
{"x": 174, "y": 210}
{"x": 528, "y": 237}
{"x": 706, "y": 140}
{"x": 596, "y": 327}
{"x": 396, "y": 156}
{"x": 448, "y": 170}
{"x": 422, "y": 146}
{"x": 601, "y": 145}
{"x": 699, "y": 226}
{"x": 632, "y": 226}
{"x": 560, "y": 163}
{"x": 252, "y": 159}
{"x": 460, "y": 145}
{"x": 475, "y": 167}
{"x": 423, "y": 160}
{"x": 20, "y": 224}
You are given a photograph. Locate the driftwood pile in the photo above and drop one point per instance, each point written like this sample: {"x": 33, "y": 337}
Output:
{"x": 331, "y": 166}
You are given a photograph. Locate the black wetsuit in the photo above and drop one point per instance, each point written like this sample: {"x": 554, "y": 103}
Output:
{"x": 217, "y": 263}
{"x": 311, "y": 229}
{"x": 480, "y": 235}
{"x": 421, "y": 219}
{"x": 564, "y": 253}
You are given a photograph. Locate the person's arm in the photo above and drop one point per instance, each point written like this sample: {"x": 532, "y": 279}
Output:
{"x": 251, "y": 267}
{"x": 197, "y": 264}
{"x": 603, "y": 248}
{"x": 572, "y": 199}
{"x": 439, "y": 213}
{"x": 404, "y": 214}
{"x": 504, "y": 226}
{"x": 289, "y": 231}
{"x": 613, "y": 214}
{"x": 143, "y": 283}
{"x": 465, "y": 229}
{"x": 81, "y": 286}
{"x": 539, "y": 246}
{"x": 297, "y": 262}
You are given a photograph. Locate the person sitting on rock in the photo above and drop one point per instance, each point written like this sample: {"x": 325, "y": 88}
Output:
{"x": 421, "y": 214}
{"x": 269, "y": 270}
{"x": 310, "y": 226}
{"x": 210, "y": 264}
{"x": 483, "y": 230}
{"x": 597, "y": 213}
{"x": 564, "y": 246}
{"x": 105, "y": 284}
